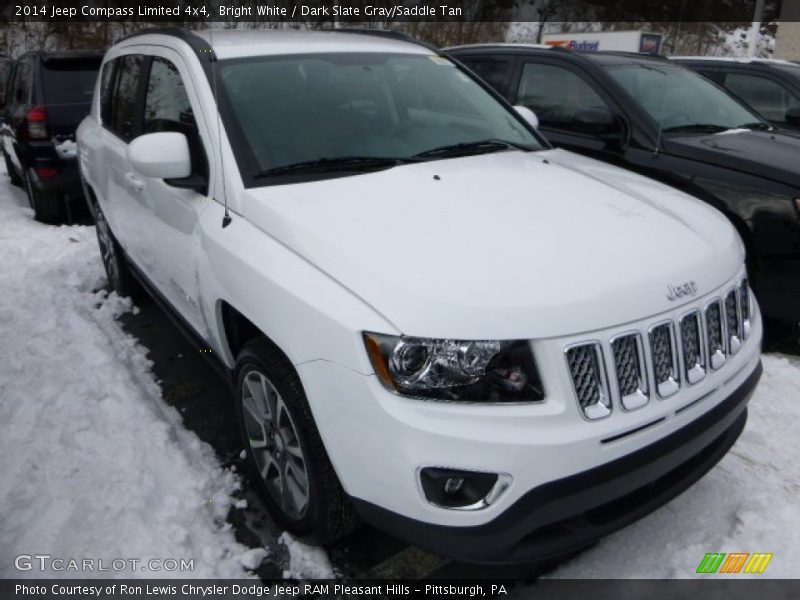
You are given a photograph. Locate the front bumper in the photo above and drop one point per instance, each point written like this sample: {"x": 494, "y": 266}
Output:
{"x": 565, "y": 515}
{"x": 547, "y": 453}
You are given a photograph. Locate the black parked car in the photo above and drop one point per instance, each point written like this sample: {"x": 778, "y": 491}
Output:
{"x": 669, "y": 123}
{"x": 771, "y": 87}
{"x": 47, "y": 96}
{"x": 5, "y": 63}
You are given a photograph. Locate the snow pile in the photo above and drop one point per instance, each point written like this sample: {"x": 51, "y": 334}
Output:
{"x": 95, "y": 465}
{"x": 306, "y": 562}
{"x": 747, "y": 503}
{"x": 65, "y": 149}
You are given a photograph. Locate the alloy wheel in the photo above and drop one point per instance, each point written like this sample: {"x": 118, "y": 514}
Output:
{"x": 275, "y": 445}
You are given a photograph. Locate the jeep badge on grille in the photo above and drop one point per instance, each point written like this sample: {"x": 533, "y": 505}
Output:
{"x": 688, "y": 288}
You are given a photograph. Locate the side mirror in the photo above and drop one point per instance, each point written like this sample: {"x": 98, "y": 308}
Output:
{"x": 793, "y": 116}
{"x": 529, "y": 116}
{"x": 162, "y": 155}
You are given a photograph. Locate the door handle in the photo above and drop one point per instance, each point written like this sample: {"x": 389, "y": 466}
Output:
{"x": 133, "y": 182}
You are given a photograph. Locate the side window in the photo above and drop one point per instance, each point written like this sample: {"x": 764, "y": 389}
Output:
{"x": 494, "y": 71}
{"x": 769, "y": 98}
{"x": 22, "y": 83}
{"x": 556, "y": 95}
{"x": 717, "y": 77}
{"x": 124, "y": 110}
{"x": 106, "y": 81}
{"x": 167, "y": 108}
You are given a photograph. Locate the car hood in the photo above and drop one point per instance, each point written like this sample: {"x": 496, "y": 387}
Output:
{"x": 770, "y": 154}
{"x": 503, "y": 245}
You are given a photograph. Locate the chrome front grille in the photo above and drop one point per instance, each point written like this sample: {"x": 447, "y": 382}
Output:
{"x": 665, "y": 359}
{"x": 588, "y": 378}
{"x": 744, "y": 306}
{"x": 694, "y": 360}
{"x": 679, "y": 351}
{"x": 630, "y": 367}
{"x": 714, "y": 336}
{"x": 733, "y": 321}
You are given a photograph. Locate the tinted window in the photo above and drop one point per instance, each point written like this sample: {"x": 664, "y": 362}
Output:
{"x": 556, "y": 94}
{"x": 681, "y": 100}
{"x": 295, "y": 109}
{"x": 494, "y": 71}
{"x": 22, "y": 83}
{"x": 123, "y": 104}
{"x": 717, "y": 77}
{"x": 167, "y": 108}
{"x": 769, "y": 98}
{"x": 106, "y": 90}
{"x": 69, "y": 81}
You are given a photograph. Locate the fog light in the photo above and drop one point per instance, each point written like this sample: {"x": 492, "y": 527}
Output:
{"x": 463, "y": 490}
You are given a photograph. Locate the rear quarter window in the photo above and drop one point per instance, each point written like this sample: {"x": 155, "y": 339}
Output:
{"x": 69, "y": 81}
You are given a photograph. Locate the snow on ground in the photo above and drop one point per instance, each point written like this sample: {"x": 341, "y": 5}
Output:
{"x": 747, "y": 503}
{"x": 94, "y": 464}
{"x": 306, "y": 562}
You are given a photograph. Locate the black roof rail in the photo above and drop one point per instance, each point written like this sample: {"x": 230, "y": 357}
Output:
{"x": 629, "y": 53}
{"x": 384, "y": 33}
{"x": 187, "y": 35}
{"x": 201, "y": 47}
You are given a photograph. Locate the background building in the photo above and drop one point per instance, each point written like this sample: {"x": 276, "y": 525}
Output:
{"x": 787, "y": 38}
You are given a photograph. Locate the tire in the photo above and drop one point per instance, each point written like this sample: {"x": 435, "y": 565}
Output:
{"x": 118, "y": 273}
{"x": 47, "y": 208}
{"x": 12, "y": 172}
{"x": 286, "y": 452}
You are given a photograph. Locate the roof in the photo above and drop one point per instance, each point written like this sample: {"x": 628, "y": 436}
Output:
{"x": 500, "y": 45}
{"x": 240, "y": 43}
{"x": 744, "y": 60}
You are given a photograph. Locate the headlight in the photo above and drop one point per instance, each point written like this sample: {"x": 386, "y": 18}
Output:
{"x": 457, "y": 370}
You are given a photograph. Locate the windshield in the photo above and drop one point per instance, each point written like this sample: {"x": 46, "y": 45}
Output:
{"x": 682, "y": 100}
{"x": 70, "y": 80}
{"x": 374, "y": 110}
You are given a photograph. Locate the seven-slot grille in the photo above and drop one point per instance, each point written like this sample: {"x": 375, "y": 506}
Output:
{"x": 680, "y": 351}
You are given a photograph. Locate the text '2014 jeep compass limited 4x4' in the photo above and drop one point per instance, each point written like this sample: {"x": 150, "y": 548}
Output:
{"x": 431, "y": 319}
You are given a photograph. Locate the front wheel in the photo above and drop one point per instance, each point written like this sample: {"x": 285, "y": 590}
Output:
{"x": 284, "y": 448}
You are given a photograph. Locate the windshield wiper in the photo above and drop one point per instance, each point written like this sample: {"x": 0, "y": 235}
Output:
{"x": 697, "y": 128}
{"x": 342, "y": 163}
{"x": 760, "y": 126}
{"x": 467, "y": 148}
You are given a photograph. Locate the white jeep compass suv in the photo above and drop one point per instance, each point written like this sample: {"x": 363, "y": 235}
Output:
{"x": 430, "y": 318}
